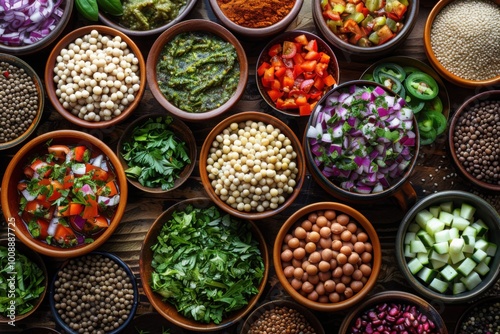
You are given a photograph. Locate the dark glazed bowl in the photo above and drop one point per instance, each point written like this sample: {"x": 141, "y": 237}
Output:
{"x": 484, "y": 211}
{"x": 480, "y": 321}
{"x": 188, "y": 26}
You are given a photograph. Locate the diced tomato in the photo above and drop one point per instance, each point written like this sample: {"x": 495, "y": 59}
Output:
{"x": 68, "y": 181}
{"x": 329, "y": 80}
{"x": 91, "y": 209}
{"x": 279, "y": 71}
{"x": 262, "y": 68}
{"x": 298, "y": 59}
{"x": 321, "y": 69}
{"x": 97, "y": 173}
{"x": 65, "y": 236}
{"x": 276, "y": 61}
{"x": 21, "y": 186}
{"x": 109, "y": 189}
{"x": 286, "y": 104}
{"x": 288, "y": 81}
{"x": 39, "y": 228}
{"x": 81, "y": 153}
{"x": 70, "y": 209}
{"x": 301, "y": 39}
{"x": 41, "y": 167}
{"x": 325, "y": 58}
{"x": 276, "y": 85}
{"x": 56, "y": 186}
{"x": 289, "y": 50}
{"x": 308, "y": 65}
{"x": 36, "y": 207}
{"x": 305, "y": 110}
{"x": 384, "y": 34}
{"x": 360, "y": 8}
{"x": 95, "y": 225}
{"x": 274, "y": 50}
{"x": 330, "y": 14}
{"x": 398, "y": 9}
{"x": 301, "y": 100}
{"x": 319, "y": 83}
{"x": 312, "y": 55}
{"x": 59, "y": 151}
{"x": 312, "y": 45}
{"x": 29, "y": 172}
{"x": 275, "y": 94}
{"x": 353, "y": 27}
{"x": 297, "y": 70}
{"x": 268, "y": 77}
{"x": 309, "y": 75}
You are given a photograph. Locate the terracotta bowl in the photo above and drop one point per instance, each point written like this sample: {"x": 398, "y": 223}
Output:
{"x": 255, "y": 117}
{"x": 10, "y": 196}
{"x": 182, "y": 132}
{"x": 491, "y": 95}
{"x": 21, "y": 249}
{"x": 436, "y": 64}
{"x": 333, "y": 67}
{"x": 484, "y": 211}
{"x": 64, "y": 13}
{"x": 190, "y": 26}
{"x": 40, "y": 92}
{"x": 245, "y": 31}
{"x": 168, "y": 310}
{"x": 301, "y": 294}
{"x": 351, "y": 51}
{"x": 487, "y": 305}
{"x": 393, "y": 298}
{"x": 116, "y": 23}
{"x": 51, "y": 87}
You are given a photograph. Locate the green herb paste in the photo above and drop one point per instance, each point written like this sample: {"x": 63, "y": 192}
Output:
{"x": 198, "y": 71}
{"x": 149, "y": 14}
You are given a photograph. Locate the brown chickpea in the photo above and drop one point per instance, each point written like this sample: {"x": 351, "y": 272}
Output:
{"x": 315, "y": 257}
{"x": 348, "y": 293}
{"x": 288, "y": 271}
{"x": 296, "y": 284}
{"x": 314, "y": 279}
{"x": 353, "y": 227}
{"x": 353, "y": 258}
{"x": 356, "y": 286}
{"x": 357, "y": 275}
{"x": 313, "y": 296}
{"x": 310, "y": 247}
{"x": 323, "y": 299}
{"x": 368, "y": 247}
{"x": 326, "y": 254}
{"x": 337, "y": 245}
{"x": 293, "y": 243}
{"x": 299, "y": 253}
{"x": 346, "y": 250}
{"x": 296, "y": 263}
{"x": 333, "y": 263}
{"x": 305, "y": 277}
{"x": 311, "y": 270}
{"x": 315, "y": 228}
{"x": 365, "y": 269}
{"x": 325, "y": 232}
{"x": 336, "y": 228}
{"x": 305, "y": 264}
{"x": 312, "y": 217}
{"x": 330, "y": 214}
{"x": 298, "y": 272}
{"x": 343, "y": 219}
{"x": 348, "y": 269}
{"x": 321, "y": 221}
{"x": 300, "y": 232}
{"x": 306, "y": 225}
{"x": 366, "y": 257}
{"x": 313, "y": 236}
{"x": 323, "y": 266}
{"x": 286, "y": 255}
{"x": 325, "y": 243}
{"x": 359, "y": 247}
{"x": 329, "y": 285}
{"x": 354, "y": 238}
{"x": 320, "y": 288}
{"x": 346, "y": 279}
{"x": 334, "y": 297}
{"x": 307, "y": 287}
{"x": 337, "y": 272}
{"x": 324, "y": 276}
{"x": 287, "y": 238}
{"x": 346, "y": 235}
{"x": 340, "y": 288}
{"x": 362, "y": 236}
{"x": 341, "y": 259}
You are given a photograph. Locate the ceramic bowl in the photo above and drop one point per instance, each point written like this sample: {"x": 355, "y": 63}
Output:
{"x": 195, "y": 25}
{"x": 17, "y": 250}
{"x": 88, "y": 289}
{"x": 399, "y": 188}
{"x": 244, "y": 30}
{"x": 350, "y": 51}
{"x": 394, "y": 299}
{"x": 476, "y": 316}
{"x": 266, "y": 56}
{"x": 444, "y": 72}
{"x": 168, "y": 310}
{"x": 467, "y": 105}
{"x": 182, "y": 133}
{"x": 40, "y": 92}
{"x": 51, "y": 86}
{"x": 10, "y": 196}
{"x": 207, "y": 178}
{"x": 483, "y": 211}
{"x": 63, "y": 13}
{"x": 326, "y": 301}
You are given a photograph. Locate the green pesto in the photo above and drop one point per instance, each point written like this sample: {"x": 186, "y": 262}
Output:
{"x": 198, "y": 71}
{"x": 149, "y": 14}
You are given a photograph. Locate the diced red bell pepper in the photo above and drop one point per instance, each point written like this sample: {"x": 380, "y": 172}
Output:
{"x": 275, "y": 94}
{"x": 279, "y": 71}
{"x": 312, "y": 45}
{"x": 274, "y": 50}
{"x": 81, "y": 153}
{"x": 308, "y": 65}
{"x": 288, "y": 103}
{"x": 95, "y": 225}
{"x": 305, "y": 110}
{"x": 262, "y": 68}
{"x": 59, "y": 151}
{"x": 97, "y": 173}
{"x": 301, "y": 39}
{"x": 70, "y": 209}
{"x": 65, "y": 236}
{"x": 91, "y": 209}
{"x": 109, "y": 189}
{"x": 268, "y": 77}
{"x": 37, "y": 207}
{"x": 329, "y": 80}
{"x": 321, "y": 69}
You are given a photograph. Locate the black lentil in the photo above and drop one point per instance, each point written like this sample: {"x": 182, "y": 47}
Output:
{"x": 476, "y": 141}
{"x": 281, "y": 319}
{"x": 482, "y": 319}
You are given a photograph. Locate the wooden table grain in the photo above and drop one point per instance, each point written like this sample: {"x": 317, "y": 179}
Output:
{"x": 434, "y": 172}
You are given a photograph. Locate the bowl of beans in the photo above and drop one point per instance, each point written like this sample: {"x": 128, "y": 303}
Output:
{"x": 447, "y": 247}
{"x": 480, "y": 317}
{"x": 473, "y": 140}
{"x": 31, "y": 26}
{"x": 23, "y": 98}
{"x": 284, "y": 316}
{"x": 66, "y": 192}
{"x": 374, "y": 29}
{"x": 95, "y": 76}
{"x": 188, "y": 88}
{"x": 255, "y": 19}
{"x": 252, "y": 165}
{"x": 464, "y": 58}
{"x": 394, "y": 312}
{"x": 327, "y": 256}
{"x": 96, "y": 292}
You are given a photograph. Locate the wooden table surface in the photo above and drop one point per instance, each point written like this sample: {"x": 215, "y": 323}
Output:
{"x": 434, "y": 172}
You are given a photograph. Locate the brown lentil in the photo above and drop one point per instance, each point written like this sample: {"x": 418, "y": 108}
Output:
{"x": 281, "y": 319}
{"x": 476, "y": 141}
{"x": 18, "y": 101}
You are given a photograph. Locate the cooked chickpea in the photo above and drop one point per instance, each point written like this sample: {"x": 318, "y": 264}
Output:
{"x": 325, "y": 232}
{"x": 286, "y": 255}
{"x": 299, "y": 253}
{"x": 288, "y": 271}
{"x": 321, "y": 221}
{"x": 293, "y": 243}
{"x": 300, "y": 233}
{"x": 343, "y": 219}
{"x": 336, "y": 228}
{"x": 312, "y": 269}
{"x": 310, "y": 247}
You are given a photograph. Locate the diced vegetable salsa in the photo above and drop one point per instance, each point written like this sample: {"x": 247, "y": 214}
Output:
{"x": 296, "y": 75}
{"x": 362, "y": 138}
{"x": 365, "y": 22}
{"x": 68, "y": 196}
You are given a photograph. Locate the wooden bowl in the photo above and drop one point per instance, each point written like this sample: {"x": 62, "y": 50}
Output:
{"x": 255, "y": 117}
{"x": 168, "y": 310}
{"x": 192, "y": 26}
{"x": 116, "y": 23}
{"x": 51, "y": 86}
{"x": 260, "y": 32}
{"x": 361, "y": 221}
{"x": 14, "y": 173}
{"x": 182, "y": 132}
{"x": 35, "y": 258}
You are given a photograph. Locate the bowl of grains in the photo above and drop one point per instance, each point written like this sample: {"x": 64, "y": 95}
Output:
{"x": 481, "y": 317}
{"x": 23, "y": 97}
{"x": 88, "y": 87}
{"x": 467, "y": 57}
{"x": 283, "y": 316}
{"x": 94, "y": 293}
{"x": 473, "y": 140}
{"x": 252, "y": 165}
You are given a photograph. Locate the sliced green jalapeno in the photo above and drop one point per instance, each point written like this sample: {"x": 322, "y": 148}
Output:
{"x": 434, "y": 105}
{"x": 415, "y": 104}
{"x": 422, "y": 86}
{"x": 389, "y": 81}
{"x": 392, "y": 69}
{"x": 438, "y": 121}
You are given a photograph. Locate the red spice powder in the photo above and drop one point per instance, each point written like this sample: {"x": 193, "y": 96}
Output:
{"x": 255, "y": 13}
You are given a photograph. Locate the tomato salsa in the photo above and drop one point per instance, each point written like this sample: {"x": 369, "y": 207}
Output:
{"x": 68, "y": 196}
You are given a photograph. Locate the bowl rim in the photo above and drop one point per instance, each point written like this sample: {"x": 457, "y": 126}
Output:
{"x": 20, "y": 157}
{"x": 207, "y": 27}
{"x": 455, "y": 79}
{"x": 490, "y": 95}
{"x": 49, "y": 75}
{"x": 18, "y": 62}
{"x": 170, "y": 312}
{"x": 376, "y": 258}
{"x": 184, "y": 11}
{"x": 185, "y": 132}
{"x": 240, "y": 117}
{"x": 487, "y": 210}
{"x": 118, "y": 261}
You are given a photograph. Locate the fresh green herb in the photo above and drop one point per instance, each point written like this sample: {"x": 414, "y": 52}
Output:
{"x": 206, "y": 264}
{"x": 155, "y": 156}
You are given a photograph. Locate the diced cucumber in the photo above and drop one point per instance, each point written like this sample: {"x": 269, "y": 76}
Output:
{"x": 460, "y": 223}
{"x": 482, "y": 268}
{"x": 408, "y": 253}
{"x": 457, "y": 257}
{"x": 447, "y": 206}
{"x": 448, "y": 273}
{"x": 442, "y": 236}
{"x": 481, "y": 227}
{"x": 422, "y": 217}
{"x": 426, "y": 239}
{"x": 446, "y": 217}
{"x": 409, "y": 236}
{"x": 454, "y": 232}
{"x": 439, "y": 285}
{"x": 467, "y": 211}
{"x": 436, "y": 264}
{"x": 481, "y": 244}
{"x": 466, "y": 267}
{"x": 469, "y": 230}
{"x": 441, "y": 247}
{"x": 434, "y": 225}
{"x": 491, "y": 249}
{"x": 435, "y": 210}
{"x": 414, "y": 265}
{"x": 456, "y": 212}
{"x": 479, "y": 255}
{"x": 471, "y": 281}
{"x": 469, "y": 242}
{"x": 486, "y": 261}
{"x": 458, "y": 287}
{"x": 413, "y": 227}
{"x": 423, "y": 258}
{"x": 427, "y": 274}
{"x": 433, "y": 255}
{"x": 456, "y": 245}
{"x": 417, "y": 246}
